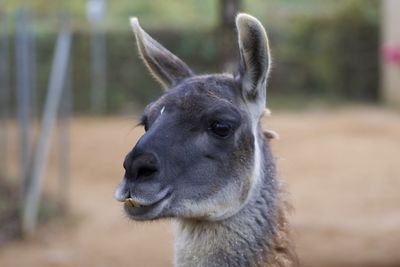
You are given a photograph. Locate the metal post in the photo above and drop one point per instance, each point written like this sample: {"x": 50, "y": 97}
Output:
{"x": 64, "y": 142}
{"x": 390, "y": 63}
{"x": 95, "y": 14}
{"x": 32, "y": 78}
{"x": 55, "y": 88}
{"x": 4, "y": 93}
{"x": 23, "y": 94}
{"x": 98, "y": 54}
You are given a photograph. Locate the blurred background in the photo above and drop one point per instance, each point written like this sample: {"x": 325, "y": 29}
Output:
{"x": 72, "y": 87}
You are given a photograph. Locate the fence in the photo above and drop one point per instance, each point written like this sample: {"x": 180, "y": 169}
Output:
{"x": 33, "y": 153}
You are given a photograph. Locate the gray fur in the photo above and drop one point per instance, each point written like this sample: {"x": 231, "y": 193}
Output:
{"x": 241, "y": 240}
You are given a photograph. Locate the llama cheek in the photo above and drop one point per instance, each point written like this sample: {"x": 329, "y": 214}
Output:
{"x": 251, "y": 181}
{"x": 248, "y": 160}
{"x": 220, "y": 205}
{"x": 245, "y": 189}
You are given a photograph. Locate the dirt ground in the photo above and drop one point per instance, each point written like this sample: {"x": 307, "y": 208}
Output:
{"x": 342, "y": 169}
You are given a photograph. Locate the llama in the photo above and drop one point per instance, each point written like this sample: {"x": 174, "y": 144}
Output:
{"x": 205, "y": 161}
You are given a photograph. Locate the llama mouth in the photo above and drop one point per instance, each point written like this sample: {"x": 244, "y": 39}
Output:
{"x": 130, "y": 202}
{"x": 133, "y": 203}
{"x": 138, "y": 210}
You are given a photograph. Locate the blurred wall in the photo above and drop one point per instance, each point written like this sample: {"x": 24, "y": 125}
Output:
{"x": 391, "y": 49}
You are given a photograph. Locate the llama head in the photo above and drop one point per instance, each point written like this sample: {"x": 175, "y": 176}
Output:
{"x": 200, "y": 155}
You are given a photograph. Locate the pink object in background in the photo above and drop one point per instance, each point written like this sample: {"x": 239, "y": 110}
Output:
{"x": 392, "y": 54}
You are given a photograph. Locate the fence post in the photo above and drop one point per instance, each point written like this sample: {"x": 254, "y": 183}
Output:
{"x": 64, "y": 142}
{"x": 32, "y": 74}
{"x": 4, "y": 93}
{"x": 23, "y": 77}
{"x": 95, "y": 13}
{"x": 390, "y": 63}
{"x": 55, "y": 88}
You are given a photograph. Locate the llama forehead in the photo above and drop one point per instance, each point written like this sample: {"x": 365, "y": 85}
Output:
{"x": 196, "y": 94}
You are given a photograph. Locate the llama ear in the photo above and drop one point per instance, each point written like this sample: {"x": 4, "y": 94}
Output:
{"x": 254, "y": 60}
{"x": 167, "y": 68}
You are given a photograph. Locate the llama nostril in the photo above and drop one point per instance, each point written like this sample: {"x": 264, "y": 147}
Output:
{"x": 140, "y": 165}
{"x": 145, "y": 171}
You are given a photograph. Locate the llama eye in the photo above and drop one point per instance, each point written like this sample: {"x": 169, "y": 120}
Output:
{"x": 144, "y": 123}
{"x": 221, "y": 129}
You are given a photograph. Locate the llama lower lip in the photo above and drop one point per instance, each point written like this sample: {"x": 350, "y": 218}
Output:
{"x": 134, "y": 204}
{"x": 144, "y": 212}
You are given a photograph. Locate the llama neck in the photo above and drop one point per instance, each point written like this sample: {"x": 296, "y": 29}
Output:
{"x": 245, "y": 239}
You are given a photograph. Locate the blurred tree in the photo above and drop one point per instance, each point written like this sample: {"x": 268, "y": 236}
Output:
{"x": 228, "y": 10}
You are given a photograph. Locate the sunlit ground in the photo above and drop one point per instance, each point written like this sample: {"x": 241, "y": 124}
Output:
{"x": 341, "y": 168}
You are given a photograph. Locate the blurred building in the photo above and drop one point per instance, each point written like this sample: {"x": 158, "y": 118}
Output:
{"x": 391, "y": 52}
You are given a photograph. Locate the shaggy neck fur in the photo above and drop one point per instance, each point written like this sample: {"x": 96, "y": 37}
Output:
{"x": 256, "y": 236}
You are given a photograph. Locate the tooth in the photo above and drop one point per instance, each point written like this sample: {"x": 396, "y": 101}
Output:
{"x": 130, "y": 202}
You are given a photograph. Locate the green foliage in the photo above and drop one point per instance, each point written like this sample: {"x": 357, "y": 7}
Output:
{"x": 154, "y": 14}
{"x": 334, "y": 55}
{"x": 320, "y": 48}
